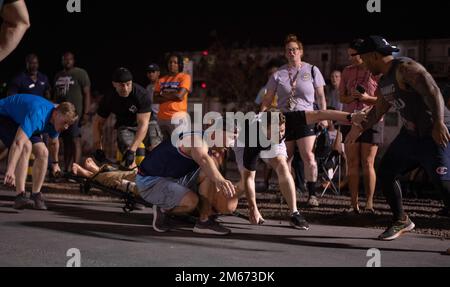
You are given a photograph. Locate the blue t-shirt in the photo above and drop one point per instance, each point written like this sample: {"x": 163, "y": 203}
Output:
{"x": 31, "y": 113}
{"x": 23, "y": 84}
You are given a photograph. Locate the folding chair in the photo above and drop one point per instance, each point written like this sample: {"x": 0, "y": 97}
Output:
{"x": 330, "y": 167}
{"x": 328, "y": 162}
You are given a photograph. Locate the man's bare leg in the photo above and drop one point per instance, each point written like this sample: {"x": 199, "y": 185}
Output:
{"x": 80, "y": 171}
{"x": 205, "y": 190}
{"x": 353, "y": 152}
{"x": 247, "y": 184}
{"x": 286, "y": 182}
{"x": 40, "y": 152}
{"x": 22, "y": 168}
{"x": 210, "y": 198}
{"x": 205, "y": 225}
{"x": 187, "y": 204}
{"x": 368, "y": 154}
{"x": 90, "y": 165}
{"x": 224, "y": 205}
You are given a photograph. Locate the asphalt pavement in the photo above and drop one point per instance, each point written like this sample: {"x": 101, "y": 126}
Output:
{"x": 105, "y": 236}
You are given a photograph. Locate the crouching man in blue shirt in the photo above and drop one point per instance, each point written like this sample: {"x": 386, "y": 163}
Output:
{"x": 23, "y": 120}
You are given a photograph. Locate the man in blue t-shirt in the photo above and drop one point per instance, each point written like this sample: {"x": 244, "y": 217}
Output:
{"x": 23, "y": 120}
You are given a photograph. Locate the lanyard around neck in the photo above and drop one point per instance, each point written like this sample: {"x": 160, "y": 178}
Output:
{"x": 293, "y": 80}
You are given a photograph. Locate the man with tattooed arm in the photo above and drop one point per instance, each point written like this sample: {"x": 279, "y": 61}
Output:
{"x": 423, "y": 141}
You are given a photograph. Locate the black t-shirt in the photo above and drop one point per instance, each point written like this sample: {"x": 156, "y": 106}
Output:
{"x": 251, "y": 133}
{"x": 253, "y": 145}
{"x": 126, "y": 109}
{"x": 253, "y": 137}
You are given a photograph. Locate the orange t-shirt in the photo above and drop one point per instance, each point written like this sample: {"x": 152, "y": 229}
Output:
{"x": 173, "y": 84}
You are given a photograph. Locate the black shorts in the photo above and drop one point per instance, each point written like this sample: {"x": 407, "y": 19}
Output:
{"x": 370, "y": 136}
{"x": 8, "y": 131}
{"x": 296, "y": 127}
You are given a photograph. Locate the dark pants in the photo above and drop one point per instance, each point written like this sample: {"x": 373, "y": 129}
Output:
{"x": 406, "y": 153}
{"x": 72, "y": 145}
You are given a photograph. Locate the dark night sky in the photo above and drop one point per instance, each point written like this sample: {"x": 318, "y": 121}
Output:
{"x": 107, "y": 34}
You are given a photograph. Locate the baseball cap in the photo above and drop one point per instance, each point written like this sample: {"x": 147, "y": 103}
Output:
{"x": 152, "y": 68}
{"x": 122, "y": 75}
{"x": 375, "y": 44}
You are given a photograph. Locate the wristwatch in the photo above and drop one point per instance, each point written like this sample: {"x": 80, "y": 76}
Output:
{"x": 349, "y": 117}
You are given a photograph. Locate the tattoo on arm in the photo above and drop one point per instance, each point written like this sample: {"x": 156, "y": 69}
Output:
{"x": 415, "y": 76}
{"x": 376, "y": 113}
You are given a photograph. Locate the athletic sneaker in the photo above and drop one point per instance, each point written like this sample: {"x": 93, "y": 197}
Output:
{"x": 298, "y": 221}
{"x": 39, "y": 202}
{"x": 397, "y": 229}
{"x": 22, "y": 202}
{"x": 368, "y": 211}
{"x": 313, "y": 201}
{"x": 214, "y": 217}
{"x": 160, "y": 221}
{"x": 210, "y": 227}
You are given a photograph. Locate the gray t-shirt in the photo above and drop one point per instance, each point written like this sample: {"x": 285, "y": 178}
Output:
{"x": 305, "y": 88}
{"x": 69, "y": 87}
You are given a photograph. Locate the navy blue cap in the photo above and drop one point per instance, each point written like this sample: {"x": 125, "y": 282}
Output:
{"x": 375, "y": 44}
{"x": 152, "y": 68}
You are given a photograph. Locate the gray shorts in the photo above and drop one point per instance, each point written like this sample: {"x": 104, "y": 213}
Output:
{"x": 126, "y": 135}
{"x": 166, "y": 192}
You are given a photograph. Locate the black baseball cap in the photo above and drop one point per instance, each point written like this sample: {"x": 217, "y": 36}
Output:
{"x": 122, "y": 75}
{"x": 152, "y": 68}
{"x": 375, "y": 44}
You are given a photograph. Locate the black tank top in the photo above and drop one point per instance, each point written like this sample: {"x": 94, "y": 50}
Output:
{"x": 409, "y": 103}
{"x": 166, "y": 160}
